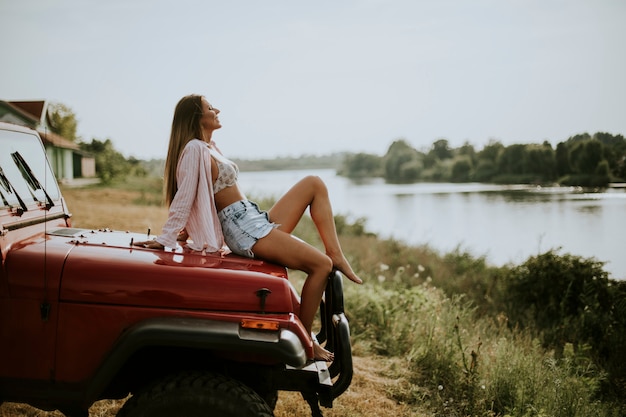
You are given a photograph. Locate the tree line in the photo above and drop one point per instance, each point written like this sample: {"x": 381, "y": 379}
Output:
{"x": 582, "y": 160}
{"x": 111, "y": 165}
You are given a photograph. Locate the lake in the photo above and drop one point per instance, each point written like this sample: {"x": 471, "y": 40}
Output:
{"x": 505, "y": 224}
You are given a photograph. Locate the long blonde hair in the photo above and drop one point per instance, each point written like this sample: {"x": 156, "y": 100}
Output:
{"x": 185, "y": 127}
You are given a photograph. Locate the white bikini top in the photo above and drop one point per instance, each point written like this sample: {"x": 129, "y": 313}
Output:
{"x": 227, "y": 172}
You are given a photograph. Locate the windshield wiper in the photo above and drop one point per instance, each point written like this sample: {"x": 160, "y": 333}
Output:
{"x": 6, "y": 185}
{"x": 31, "y": 180}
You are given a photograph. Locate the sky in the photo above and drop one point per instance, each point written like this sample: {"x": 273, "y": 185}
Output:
{"x": 293, "y": 77}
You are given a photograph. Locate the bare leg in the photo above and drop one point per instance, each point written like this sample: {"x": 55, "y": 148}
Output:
{"x": 312, "y": 192}
{"x": 284, "y": 249}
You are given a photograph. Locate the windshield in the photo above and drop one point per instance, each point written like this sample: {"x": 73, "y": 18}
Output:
{"x": 20, "y": 152}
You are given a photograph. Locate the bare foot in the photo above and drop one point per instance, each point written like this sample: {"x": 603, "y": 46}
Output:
{"x": 321, "y": 354}
{"x": 341, "y": 263}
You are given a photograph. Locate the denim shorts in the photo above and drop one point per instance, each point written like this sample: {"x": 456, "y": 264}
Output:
{"x": 243, "y": 224}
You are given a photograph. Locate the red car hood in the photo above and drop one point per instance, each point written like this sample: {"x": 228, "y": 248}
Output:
{"x": 103, "y": 268}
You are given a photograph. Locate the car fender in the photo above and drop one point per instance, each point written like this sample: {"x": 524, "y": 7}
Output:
{"x": 283, "y": 346}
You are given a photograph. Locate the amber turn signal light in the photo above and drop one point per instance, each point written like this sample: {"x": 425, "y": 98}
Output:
{"x": 260, "y": 324}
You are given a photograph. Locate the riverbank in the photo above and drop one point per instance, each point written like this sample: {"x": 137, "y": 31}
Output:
{"x": 506, "y": 224}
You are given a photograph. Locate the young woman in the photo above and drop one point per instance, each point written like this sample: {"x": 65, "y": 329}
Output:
{"x": 206, "y": 203}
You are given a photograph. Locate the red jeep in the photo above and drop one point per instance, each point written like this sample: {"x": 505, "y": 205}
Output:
{"x": 86, "y": 316}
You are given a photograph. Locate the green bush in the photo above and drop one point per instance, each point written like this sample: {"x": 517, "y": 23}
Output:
{"x": 462, "y": 358}
{"x": 562, "y": 297}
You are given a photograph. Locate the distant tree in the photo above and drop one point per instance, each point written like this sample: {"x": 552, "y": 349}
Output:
{"x": 429, "y": 160}
{"x": 361, "y": 165}
{"x": 608, "y": 139}
{"x": 619, "y": 170}
{"x": 540, "y": 162}
{"x": 581, "y": 160}
{"x": 578, "y": 138}
{"x": 603, "y": 172}
{"x": 461, "y": 168}
{"x": 485, "y": 171}
{"x": 511, "y": 161}
{"x": 434, "y": 161}
{"x": 402, "y": 163}
{"x": 467, "y": 149}
{"x": 562, "y": 159}
{"x": 589, "y": 167}
{"x": 485, "y": 167}
{"x": 110, "y": 164}
{"x": 440, "y": 172}
{"x": 614, "y": 153}
{"x": 62, "y": 121}
{"x": 441, "y": 149}
{"x": 410, "y": 171}
{"x": 491, "y": 151}
{"x": 137, "y": 167}
{"x": 590, "y": 157}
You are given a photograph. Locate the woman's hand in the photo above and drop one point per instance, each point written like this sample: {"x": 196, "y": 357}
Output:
{"x": 150, "y": 244}
{"x": 182, "y": 236}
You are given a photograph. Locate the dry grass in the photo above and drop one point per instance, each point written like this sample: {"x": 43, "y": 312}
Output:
{"x": 374, "y": 380}
{"x": 366, "y": 397}
{"x": 95, "y": 208}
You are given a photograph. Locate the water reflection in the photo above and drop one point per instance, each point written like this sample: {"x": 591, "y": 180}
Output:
{"x": 590, "y": 209}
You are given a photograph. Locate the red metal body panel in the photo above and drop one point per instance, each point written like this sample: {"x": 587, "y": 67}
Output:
{"x": 98, "y": 273}
{"x": 27, "y": 342}
{"x": 80, "y": 325}
{"x": 97, "y": 286}
{"x": 82, "y": 310}
{"x": 30, "y": 279}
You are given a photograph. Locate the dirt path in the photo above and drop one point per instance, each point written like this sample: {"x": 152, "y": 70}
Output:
{"x": 368, "y": 395}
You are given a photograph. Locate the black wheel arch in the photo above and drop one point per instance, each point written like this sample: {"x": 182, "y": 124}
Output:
{"x": 159, "y": 346}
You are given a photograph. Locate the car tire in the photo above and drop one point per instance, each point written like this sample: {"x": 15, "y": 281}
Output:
{"x": 196, "y": 394}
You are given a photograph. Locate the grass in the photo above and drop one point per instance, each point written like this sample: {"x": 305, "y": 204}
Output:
{"x": 426, "y": 339}
{"x": 366, "y": 397}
